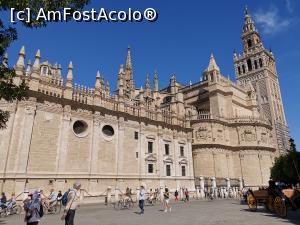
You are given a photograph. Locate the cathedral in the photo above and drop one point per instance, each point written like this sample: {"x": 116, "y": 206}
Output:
{"x": 215, "y": 132}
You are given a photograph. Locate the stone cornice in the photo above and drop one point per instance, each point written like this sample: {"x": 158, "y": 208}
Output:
{"x": 232, "y": 148}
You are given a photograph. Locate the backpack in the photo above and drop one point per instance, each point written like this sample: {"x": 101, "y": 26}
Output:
{"x": 64, "y": 198}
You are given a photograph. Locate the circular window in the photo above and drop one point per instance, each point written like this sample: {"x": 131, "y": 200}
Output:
{"x": 80, "y": 127}
{"x": 108, "y": 130}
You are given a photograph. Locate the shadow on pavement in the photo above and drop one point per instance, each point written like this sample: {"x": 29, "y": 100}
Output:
{"x": 293, "y": 217}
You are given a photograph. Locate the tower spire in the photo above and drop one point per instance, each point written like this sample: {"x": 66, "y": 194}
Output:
{"x": 128, "y": 59}
{"x": 155, "y": 89}
{"x": 70, "y": 75}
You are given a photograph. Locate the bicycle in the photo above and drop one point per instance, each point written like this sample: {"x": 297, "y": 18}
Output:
{"x": 53, "y": 208}
{"x": 124, "y": 203}
{"x": 14, "y": 209}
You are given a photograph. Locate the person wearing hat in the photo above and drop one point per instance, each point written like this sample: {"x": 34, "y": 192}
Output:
{"x": 72, "y": 204}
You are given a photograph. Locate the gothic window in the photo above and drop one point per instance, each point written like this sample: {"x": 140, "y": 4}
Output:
{"x": 108, "y": 130}
{"x": 243, "y": 68}
{"x": 167, "y": 149}
{"x": 150, "y": 147}
{"x": 260, "y": 62}
{"x": 249, "y": 64}
{"x": 168, "y": 170}
{"x": 239, "y": 70}
{"x": 183, "y": 171}
{"x": 255, "y": 64}
{"x": 249, "y": 42}
{"x": 150, "y": 168}
{"x": 181, "y": 151}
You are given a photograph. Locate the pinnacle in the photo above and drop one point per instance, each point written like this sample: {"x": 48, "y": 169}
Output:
{"x": 212, "y": 64}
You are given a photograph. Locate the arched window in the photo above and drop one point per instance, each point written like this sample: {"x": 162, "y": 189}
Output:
{"x": 239, "y": 70}
{"x": 249, "y": 42}
{"x": 260, "y": 62}
{"x": 255, "y": 64}
{"x": 249, "y": 64}
{"x": 243, "y": 68}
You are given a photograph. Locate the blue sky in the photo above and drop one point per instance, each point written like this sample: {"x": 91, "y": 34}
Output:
{"x": 179, "y": 42}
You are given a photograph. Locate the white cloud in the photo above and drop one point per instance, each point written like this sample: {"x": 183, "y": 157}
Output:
{"x": 270, "y": 21}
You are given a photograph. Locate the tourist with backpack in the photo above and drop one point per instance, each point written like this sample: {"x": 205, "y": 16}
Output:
{"x": 71, "y": 200}
{"x": 33, "y": 208}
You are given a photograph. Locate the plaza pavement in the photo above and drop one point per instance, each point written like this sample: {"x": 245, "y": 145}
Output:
{"x": 201, "y": 212}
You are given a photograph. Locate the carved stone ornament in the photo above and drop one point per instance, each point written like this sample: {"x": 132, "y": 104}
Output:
{"x": 201, "y": 133}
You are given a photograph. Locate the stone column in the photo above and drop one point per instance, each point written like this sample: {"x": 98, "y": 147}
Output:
{"x": 214, "y": 186}
{"x": 25, "y": 138}
{"x": 63, "y": 139}
{"x": 241, "y": 182}
{"x": 137, "y": 194}
{"x": 108, "y": 194}
{"x": 120, "y": 148}
{"x": 198, "y": 195}
{"x": 228, "y": 183}
{"x": 116, "y": 194}
{"x": 202, "y": 194}
{"x": 95, "y": 144}
{"x": 161, "y": 194}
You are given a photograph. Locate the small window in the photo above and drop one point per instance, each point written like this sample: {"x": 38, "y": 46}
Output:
{"x": 150, "y": 147}
{"x": 239, "y": 70}
{"x": 181, "y": 151}
{"x": 168, "y": 170}
{"x": 136, "y": 135}
{"x": 136, "y": 155}
{"x": 167, "y": 149}
{"x": 183, "y": 171}
{"x": 150, "y": 168}
{"x": 108, "y": 130}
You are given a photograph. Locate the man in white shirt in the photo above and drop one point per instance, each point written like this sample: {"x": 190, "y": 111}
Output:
{"x": 72, "y": 204}
{"x": 142, "y": 199}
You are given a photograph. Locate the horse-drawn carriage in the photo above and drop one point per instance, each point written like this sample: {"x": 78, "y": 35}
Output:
{"x": 275, "y": 200}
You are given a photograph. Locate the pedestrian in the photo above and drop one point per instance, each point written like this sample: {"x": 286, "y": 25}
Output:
{"x": 73, "y": 201}
{"x": 142, "y": 199}
{"x": 187, "y": 197}
{"x": 176, "y": 195}
{"x": 167, "y": 200}
{"x": 33, "y": 208}
{"x": 3, "y": 200}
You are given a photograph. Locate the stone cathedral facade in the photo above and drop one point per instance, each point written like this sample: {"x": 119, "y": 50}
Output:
{"x": 211, "y": 132}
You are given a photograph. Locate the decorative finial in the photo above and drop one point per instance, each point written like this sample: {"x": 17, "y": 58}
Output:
{"x": 246, "y": 10}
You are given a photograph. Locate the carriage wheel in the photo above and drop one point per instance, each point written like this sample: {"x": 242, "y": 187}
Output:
{"x": 280, "y": 207}
{"x": 270, "y": 203}
{"x": 252, "y": 203}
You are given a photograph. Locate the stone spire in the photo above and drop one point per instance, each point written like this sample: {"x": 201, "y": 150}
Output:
{"x": 128, "y": 59}
{"x": 147, "y": 86}
{"x": 107, "y": 89}
{"x": 70, "y": 75}
{"x": 155, "y": 89}
{"x": 36, "y": 65}
{"x": 212, "y": 64}
{"x": 20, "y": 66}
{"x": 98, "y": 82}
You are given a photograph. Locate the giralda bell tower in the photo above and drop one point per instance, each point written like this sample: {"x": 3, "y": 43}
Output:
{"x": 256, "y": 66}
